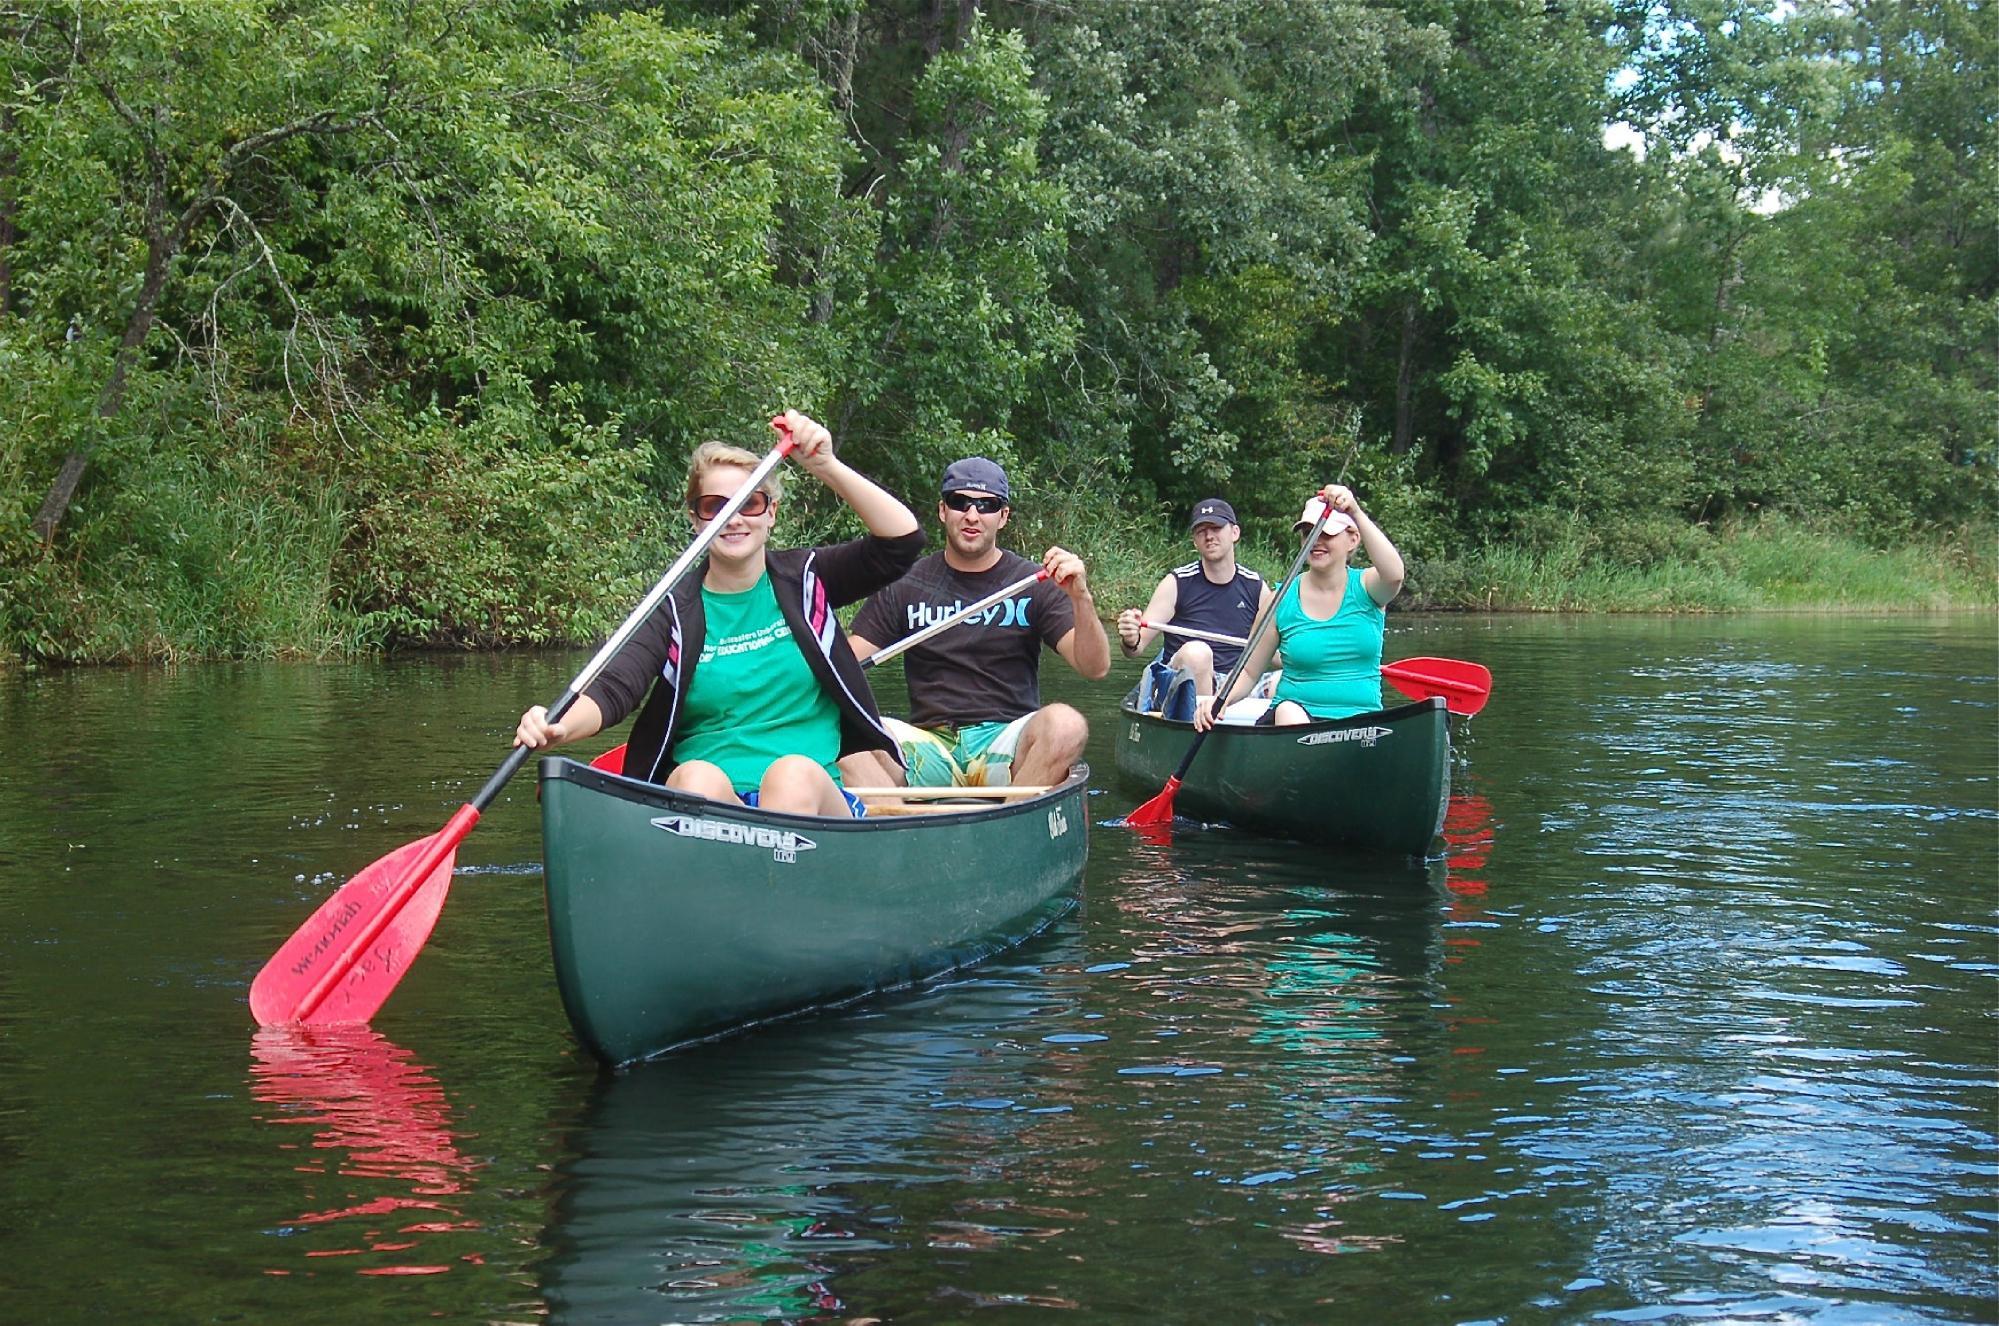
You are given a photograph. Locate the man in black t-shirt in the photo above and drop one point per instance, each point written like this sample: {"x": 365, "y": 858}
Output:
{"x": 976, "y": 717}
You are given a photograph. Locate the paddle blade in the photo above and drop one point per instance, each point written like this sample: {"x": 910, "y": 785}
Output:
{"x": 1157, "y": 811}
{"x": 1465, "y": 687}
{"x": 351, "y": 953}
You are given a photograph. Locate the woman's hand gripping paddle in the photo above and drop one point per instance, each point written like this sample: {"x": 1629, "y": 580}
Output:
{"x": 349, "y": 955}
{"x": 1159, "y": 810}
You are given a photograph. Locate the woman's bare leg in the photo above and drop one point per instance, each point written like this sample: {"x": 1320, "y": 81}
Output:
{"x": 800, "y": 786}
{"x": 1290, "y": 714}
{"x": 703, "y": 780}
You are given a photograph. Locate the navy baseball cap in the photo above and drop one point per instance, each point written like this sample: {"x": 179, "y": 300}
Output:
{"x": 975, "y": 473}
{"x": 1212, "y": 511}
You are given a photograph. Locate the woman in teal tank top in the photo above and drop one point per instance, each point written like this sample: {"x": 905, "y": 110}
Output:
{"x": 1329, "y": 621}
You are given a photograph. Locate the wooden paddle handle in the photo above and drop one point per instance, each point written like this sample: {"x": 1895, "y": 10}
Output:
{"x": 937, "y": 793}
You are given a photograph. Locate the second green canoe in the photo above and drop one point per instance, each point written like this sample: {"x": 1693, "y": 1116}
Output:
{"x": 1374, "y": 781}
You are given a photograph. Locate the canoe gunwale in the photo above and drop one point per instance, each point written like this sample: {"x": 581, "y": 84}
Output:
{"x": 1127, "y": 708}
{"x": 560, "y": 768}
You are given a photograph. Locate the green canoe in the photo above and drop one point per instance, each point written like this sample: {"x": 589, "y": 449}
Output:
{"x": 1373, "y": 781}
{"x": 675, "y": 919}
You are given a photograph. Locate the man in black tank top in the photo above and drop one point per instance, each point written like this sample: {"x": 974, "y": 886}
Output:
{"x": 1211, "y": 594}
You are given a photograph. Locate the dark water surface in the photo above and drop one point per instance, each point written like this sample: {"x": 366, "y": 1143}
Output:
{"x": 1692, "y": 1019}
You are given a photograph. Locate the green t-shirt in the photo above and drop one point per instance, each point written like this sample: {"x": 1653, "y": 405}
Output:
{"x": 754, "y": 697}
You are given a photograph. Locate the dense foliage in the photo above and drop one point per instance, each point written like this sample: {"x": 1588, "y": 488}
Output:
{"x": 330, "y": 324}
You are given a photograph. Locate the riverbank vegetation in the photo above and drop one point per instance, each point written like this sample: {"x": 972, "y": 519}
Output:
{"x": 333, "y": 326}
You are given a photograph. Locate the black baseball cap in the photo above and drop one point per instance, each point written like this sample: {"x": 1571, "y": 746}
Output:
{"x": 975, "y": 474}
{"x": 1212, "y": 511}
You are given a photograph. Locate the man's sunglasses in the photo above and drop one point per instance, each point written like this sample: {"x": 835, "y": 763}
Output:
{"x": 985, "y": 506}
{"x": 709, "y": 505}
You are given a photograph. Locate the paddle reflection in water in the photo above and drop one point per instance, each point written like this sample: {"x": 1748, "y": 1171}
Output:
{"x": 381, "y": 1147}
{"x": 1468, "y": 839}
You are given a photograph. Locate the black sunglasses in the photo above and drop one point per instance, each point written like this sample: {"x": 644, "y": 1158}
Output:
{"x": 985, "y": 506}
{"x": 709, "y": 505}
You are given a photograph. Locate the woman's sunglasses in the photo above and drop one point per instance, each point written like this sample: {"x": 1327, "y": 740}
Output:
{"x": 985, "y": 506}
{"x": 709, "y": 505}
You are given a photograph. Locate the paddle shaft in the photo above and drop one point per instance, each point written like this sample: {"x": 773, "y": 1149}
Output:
{"x": 1227, "y": 684}
{"x": 938, "y": 628}
{"x": 446, "y": 840}
{"x": 1213, "y": 637}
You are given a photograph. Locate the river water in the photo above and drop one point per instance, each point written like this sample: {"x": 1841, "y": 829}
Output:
{"x": 1691, "y": 1019}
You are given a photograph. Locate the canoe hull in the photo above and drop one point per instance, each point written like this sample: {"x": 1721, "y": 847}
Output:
{"x": 1376, "y": 781}
{"x": 674, "y": 919}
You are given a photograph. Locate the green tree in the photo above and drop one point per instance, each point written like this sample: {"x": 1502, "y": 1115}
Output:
{"x": 1832, "y": 259}
{"x": 1216, "y": 227}
{"x": 454, "y": 285}
{"x": 959, "y": 328}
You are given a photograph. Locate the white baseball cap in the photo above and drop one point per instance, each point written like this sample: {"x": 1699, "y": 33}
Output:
{"x": 1335, "y": 520}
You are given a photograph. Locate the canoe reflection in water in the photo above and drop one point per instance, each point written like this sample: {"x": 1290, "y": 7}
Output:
{"x": 374, "y": 1129}
{"x": 1312, "y": 953}
{"x": 765, "y": 1177}
{"x": 915, "y": 1158}
{"x": 1322, "y": 980}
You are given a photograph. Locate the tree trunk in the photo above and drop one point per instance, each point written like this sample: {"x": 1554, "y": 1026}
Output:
{"x": 1724, "y": 287}
{"x": 166, "y": 237}
{"x": 842, "y": 56}
{"x": 8, "y": 163}
{"x": 933, "y": 30}
{"x": 937, "y": 21}
{"x": 111, "y": 399}
{"x": 1405, "y": 380}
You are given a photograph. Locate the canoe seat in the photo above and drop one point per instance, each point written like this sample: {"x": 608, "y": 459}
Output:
{"x": 936, "y": 807}
{"x": 1246, "y": 712}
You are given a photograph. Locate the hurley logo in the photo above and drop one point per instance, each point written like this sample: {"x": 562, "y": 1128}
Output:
{"x": 1012, "y": 612}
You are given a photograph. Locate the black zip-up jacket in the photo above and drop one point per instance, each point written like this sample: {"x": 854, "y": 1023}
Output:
{"x": 809, "y": 583}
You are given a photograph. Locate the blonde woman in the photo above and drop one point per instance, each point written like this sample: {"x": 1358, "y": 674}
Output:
{"x": 755, "y": 692}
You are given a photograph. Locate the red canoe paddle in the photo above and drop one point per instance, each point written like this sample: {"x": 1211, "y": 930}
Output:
{"x": 1465, "y": 687}
{"x": 351, "y": 953}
